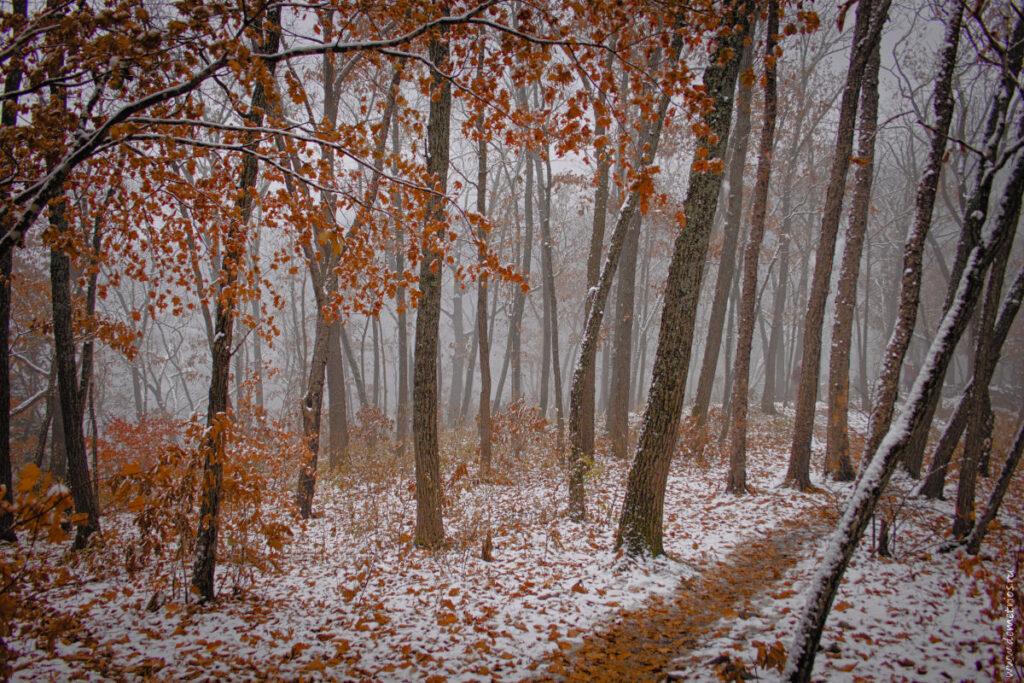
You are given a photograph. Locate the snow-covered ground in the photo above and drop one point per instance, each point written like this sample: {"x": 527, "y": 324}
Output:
{"x": 355, "y": 599}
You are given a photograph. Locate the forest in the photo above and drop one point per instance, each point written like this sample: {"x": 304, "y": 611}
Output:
{"x": 511, "y": 340}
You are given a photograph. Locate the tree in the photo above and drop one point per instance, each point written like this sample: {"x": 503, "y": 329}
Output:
{"x": 598, "y": 296}
{"x": 429, "y": 523}
{"x": 640, "y": 524}
{"x": 887, "y": 386}
{"x": 875, "y": 476}
{"x": 870, "y": 18}
{"x": 217, "y": 411}
{"x": 837, "y": 453}
{"x": 737, "y": 482}
{"x": 730, "y": 238}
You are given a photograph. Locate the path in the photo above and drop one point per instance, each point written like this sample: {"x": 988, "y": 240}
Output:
{"x": 641, "y": 645}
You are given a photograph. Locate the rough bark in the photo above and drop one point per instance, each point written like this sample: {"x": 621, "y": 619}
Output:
{"x": 217, "y": 418}
{"x": 887, "y": 386}
{"x": 870, "y": 17}
{"x": 737, "y": 481}
{"x": 519, "y": 306}
{"x": 640, "y": 525}
{"x": 837, "y": 451}
{"x": 730, "y": 239}
{"x": 429, "y": 522}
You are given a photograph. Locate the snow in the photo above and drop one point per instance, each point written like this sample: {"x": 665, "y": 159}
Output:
{"x": 355, "y": 599}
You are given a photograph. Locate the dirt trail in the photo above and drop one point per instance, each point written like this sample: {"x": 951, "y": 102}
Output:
{"x": 641, "y": 645}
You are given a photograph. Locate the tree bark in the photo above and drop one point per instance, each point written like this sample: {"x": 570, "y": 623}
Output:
{"x": 429, "y": 522}
{"x": 737, "y": 481}
{"x": 640, "y": 525}
{"x": 870, "y": 17}
{"x": 887, "y": 386}
{"x": 837, "y": 453}
{"x": 217, "y": 417}
{"x": 730, "y": 239}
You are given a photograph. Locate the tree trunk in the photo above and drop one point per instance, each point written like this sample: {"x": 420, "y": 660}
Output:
{"x": 976, "y": 210}
{"x": 594, "y": 271}
{"x": 870, "y": 17}
{"x": 978, "y": 440}
{"x": 977, "y": 535}
{"x": 640, "y": 526}
{"x": 71, "y": 407}
{"x": 737, "y": 482}
{"x": 459, "y": 353}
{"x": 549, "y": 290}
{"x": 483, "y": 343}
{"x": 516, "y": 324}
{"x": 887, "y": 386}
{"x": 617, "y": 420}
{"x": 8, "y": 118}
{"x": 837, "y": 454}
{"x": 338, "y": 406}
{"x": 429, "y": 522}
{"x": 217, "y": 417}
{"x": 730, "y": 239}
{"x": 936, "y": 479}
{"x": 599, "y": 296}
{"x": 882, "y": 464}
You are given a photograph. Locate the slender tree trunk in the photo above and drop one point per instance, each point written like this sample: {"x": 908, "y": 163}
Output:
{"x": 71, "y": 406}
{"x": 459, "y": 353}
{"x": 936, "y": 479}
{"x": 730, "y": 238}
{"x": 775, "y": 356}
{"x": 6, "y": 477}
{"x": 484, "y": 345}
{"x": 549, "y": 289}
{"x": 217, "y": 417}
{"x": 429, "y": 521}
{"x": 599, "y": 297}
{"x": 977, "y": 209}
{"x": 978, "y": 440}
{"x": 870, "y": 486}
{"x": 887, "y": 386}
{"x": 338, "y": 406}
{"x": 837, "y": 454}
{"x": 737, "y": 482}
{"x": 516, "y": 324}
{"x": 871, "y": 14}
{"x": 8, "y": 118}
{"x": 640, "y": 526}
{"x": 977, "y": 535}
{"x": 594, "y": 271}
{"x": 617, "y": 420}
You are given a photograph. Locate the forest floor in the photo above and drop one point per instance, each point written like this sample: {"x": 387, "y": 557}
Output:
{"x": 349, "y": 597}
